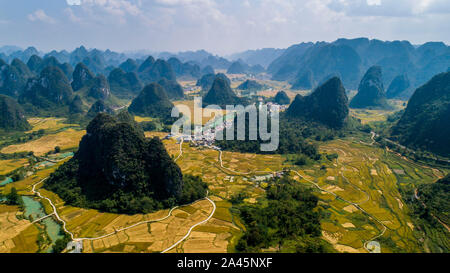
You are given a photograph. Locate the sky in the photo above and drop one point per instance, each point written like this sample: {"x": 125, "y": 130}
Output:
{"x": 219, "y": 26}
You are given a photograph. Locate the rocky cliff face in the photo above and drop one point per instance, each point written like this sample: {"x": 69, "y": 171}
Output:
{"x": 173, "y": 89}
{"x": 99, "y": 88}
{"x": 251, "y": 85}
{"x": 207, "y": 80}
{"x": 282, "y": 98}
{"x": 99, "y": 107}
{"x": 81, "y": 76}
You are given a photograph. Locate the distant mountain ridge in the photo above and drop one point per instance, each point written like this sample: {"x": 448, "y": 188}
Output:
{"x": 349, "y": 58}
{"x": 263, "y": 57}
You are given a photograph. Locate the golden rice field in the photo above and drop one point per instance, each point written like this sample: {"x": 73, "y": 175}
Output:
{"x": 362, "y": 174}
{"x": 16, "y": 236}
{"x": 67, "y": 139}
{"x": 139, "y": 119}
{"x": 7, "y": 166}
{"x": 218, "y": 235}
{"x": 49, "y": 124}
{"x": 154, "y": 235}
{"x": 368, "y": 116}
{"x": 24, "y": 186}
{"x": 365, "y": 175}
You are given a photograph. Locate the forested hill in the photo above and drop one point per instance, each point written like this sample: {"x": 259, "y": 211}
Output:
{"x": 328, "y": 104}
{"x": 371, "y": 92}
{"x": 153, "y": 102}
{"x": 425, "y": 123}
{"x": 221, "y": 94}
{"x": 116, "y": 169}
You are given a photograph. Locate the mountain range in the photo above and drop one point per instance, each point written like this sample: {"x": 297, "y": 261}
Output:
{"x": 350, "y": 58}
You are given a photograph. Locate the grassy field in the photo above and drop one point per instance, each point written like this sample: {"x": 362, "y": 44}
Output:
{"x": 368, "y": 116}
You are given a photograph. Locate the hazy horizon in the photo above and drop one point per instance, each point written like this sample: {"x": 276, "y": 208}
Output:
{"x": 219, "y": 27}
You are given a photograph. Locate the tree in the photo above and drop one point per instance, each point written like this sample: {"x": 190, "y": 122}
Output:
{"x": 57, "y": 149}
{"x": 13, "y": 198}
{"x": 61, "y": 244}
{"x": 17, "y": 177}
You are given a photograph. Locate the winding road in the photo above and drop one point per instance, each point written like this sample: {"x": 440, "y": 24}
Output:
{"x": 190, "y": 230}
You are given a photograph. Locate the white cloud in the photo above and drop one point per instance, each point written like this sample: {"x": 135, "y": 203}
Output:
{"x": 389, "y": 8}
{"x": 40, "y": 15}
{"x": 71, "y": 15}
{"x": 114, "y": 7}
{"x": 73, "y": 2}
{"x": 373, "y": 2}
{"x": 227, "y": 26}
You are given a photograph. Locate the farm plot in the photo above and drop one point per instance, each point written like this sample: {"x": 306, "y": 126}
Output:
{"x": 367, "y": 179}
{"x": 16, "y": 235}
{"x": 69, "y": 138}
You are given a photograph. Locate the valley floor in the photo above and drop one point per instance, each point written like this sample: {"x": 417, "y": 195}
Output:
{"x": 359, "y": 193}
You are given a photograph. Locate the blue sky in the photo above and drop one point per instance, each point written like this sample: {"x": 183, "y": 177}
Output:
{"x": 222, "y": 27}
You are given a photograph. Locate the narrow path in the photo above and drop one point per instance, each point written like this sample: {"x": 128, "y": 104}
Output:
{"x": 190, "y": 230}
{"x": 42, "y": 218}
{"x": 55, "y": 212}
{"x": 181, "y": 150}
{"x": 72, "y": 236}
